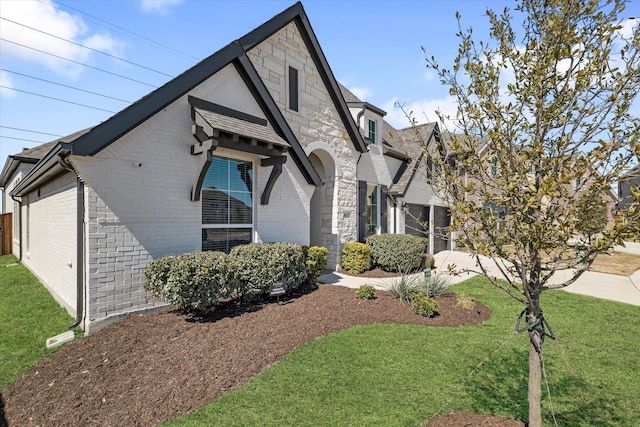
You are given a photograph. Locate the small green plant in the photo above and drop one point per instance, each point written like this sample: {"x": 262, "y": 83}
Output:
{"x": 404, "y": 287}
{"x": 356, "y": 257}
{"x": 366, "y": 292}
{"x": 435, "y": 286}
{"x": 465, "y": 301}
{"x": 423, "y": 305}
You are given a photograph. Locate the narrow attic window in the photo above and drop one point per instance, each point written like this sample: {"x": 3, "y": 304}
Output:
{"x": 293, "y": 88}
{"x": 372, "y": 131}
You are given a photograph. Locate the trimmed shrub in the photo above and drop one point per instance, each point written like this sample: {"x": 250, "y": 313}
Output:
{"x": 257, "y": 265}
{"x": 356, "y": 257}
{"x": 317, "y": 258}
{"x": 397, "y": 252}
{"x": 423, "y": 305}
{"x": 428, "y": 261}
{"x": 193, "y": 282}
{"x": 366, "y": 292}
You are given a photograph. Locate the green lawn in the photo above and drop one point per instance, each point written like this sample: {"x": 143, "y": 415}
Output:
{"x": 28, "y": 316}
{"x": 399, "y": 375}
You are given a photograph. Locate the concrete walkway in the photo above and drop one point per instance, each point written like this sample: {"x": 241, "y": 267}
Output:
{"x": 599, "y": 285}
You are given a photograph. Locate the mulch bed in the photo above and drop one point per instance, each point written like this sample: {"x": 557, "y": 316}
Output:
{"x": 151, "y": 368}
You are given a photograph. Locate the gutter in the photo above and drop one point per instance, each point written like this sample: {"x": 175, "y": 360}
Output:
{"x": 80, "y": 208}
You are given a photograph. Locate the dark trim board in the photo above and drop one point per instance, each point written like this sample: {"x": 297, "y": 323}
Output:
{"x": 226, "y": 111}
{"x": 104, "y": 134}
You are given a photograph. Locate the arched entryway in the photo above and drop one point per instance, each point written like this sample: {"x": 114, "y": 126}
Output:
{"x": 322, "y": 229}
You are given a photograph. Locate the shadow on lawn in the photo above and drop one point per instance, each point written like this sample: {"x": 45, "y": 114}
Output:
{"x": 237, "y": 307}
{"x": 501, "y": 387}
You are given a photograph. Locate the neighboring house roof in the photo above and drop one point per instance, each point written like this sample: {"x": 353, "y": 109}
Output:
{"x": 407, "y": 144}
{"x": 234, "y": 53}
{"x": 413, "y": 141}
{"x": 33, "y": 155}
{"x": 631, "y": 174}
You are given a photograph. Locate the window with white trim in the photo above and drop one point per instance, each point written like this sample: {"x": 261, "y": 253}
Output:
{"x": 227, "y": 204}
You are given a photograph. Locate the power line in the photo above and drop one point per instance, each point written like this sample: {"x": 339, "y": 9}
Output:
{"x": 79, "y": 63}
{"x": 30, "y": 131}
{"x": 147, "y": 39}
{"x": 56, "y": 99}
{"x": 87, "y": 47}
{"x": 67, "y": 86}
{"x": 23, "y": 139}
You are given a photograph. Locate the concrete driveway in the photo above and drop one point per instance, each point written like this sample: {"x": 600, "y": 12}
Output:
{"x": 599, "y": 285}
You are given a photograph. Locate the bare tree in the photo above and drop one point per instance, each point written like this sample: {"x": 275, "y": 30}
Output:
{"x": 544, "y": 129}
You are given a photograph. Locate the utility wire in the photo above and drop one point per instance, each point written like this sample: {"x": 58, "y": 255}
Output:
{"x": 122, "y": 29}
{"x": 22, "y": 139}
{"x": 30, "y": 131}
{"x": 67, "y": 86}
{"x": 56, "y": 99}
{"x": 87, "y": 47}
{"x": 79, "y": 63}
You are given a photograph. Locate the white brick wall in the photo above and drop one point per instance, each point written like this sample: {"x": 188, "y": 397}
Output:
{"x": 136, "y": 214}
{"x": 286, "y": 217}
{"x": 50, "y": 251}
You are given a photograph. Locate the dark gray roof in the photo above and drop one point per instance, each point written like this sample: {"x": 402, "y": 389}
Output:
{"x": 413, "y": 142}
{"x": 234, "y": 53}
{"x": 408, "y": 141}
{"x": 349, "y": 97}
{"x": 34, "y": 155}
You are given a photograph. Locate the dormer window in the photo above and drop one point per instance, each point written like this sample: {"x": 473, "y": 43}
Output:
{"x": 293, "y": 88}
{"x": 372, "y": 131}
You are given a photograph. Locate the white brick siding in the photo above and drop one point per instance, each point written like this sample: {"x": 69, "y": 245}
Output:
{"x": 50, "y": 251}
{"x": 136, "y": 214}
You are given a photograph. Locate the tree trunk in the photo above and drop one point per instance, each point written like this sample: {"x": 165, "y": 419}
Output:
{"x": 535, "y": 384}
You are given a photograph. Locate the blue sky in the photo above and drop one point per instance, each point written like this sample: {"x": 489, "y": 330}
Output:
{"x": 373, "y": 48}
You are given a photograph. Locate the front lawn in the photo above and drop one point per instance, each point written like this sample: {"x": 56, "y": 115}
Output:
{"x": 28, "y": 316}
{"x": 388, "y": 375}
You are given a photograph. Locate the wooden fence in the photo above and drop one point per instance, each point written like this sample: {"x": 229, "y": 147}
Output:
{"x": 6, "y": 236}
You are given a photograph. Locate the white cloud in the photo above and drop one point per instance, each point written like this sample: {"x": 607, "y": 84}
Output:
{"x": 627, "y": 27}
{"x": 159, "y": 7}
{"x": 423, "y": 111}
{"x": 5, "y": 80}
{"x": 44, "y": 17}
{"x": 429, "y": 76}
{"x": 361, "y": 92}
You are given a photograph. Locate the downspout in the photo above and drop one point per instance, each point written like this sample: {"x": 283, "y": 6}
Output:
{"x": 359, "y": 116}
{"x": 20, "y": 227}
{"x": 80, "y": 207}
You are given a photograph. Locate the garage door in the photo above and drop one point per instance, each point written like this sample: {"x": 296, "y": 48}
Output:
{"x": 416, "y": 220}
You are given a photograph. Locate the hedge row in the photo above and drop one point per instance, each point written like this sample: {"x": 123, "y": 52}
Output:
{"x": 196, "y": 282}
{"x": 389, "y": 252}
